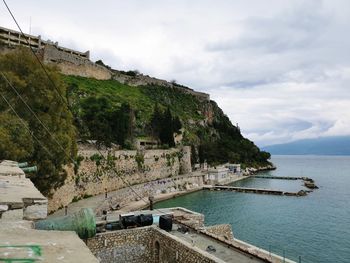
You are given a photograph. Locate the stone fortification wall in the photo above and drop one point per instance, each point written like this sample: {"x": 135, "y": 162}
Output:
{"x": 144, "y": 80}
{"x": 90, "y": 70}
{"x": 146, "y": 244}
{"x": 72, "y": 64}
{"x": 137, "y": 168}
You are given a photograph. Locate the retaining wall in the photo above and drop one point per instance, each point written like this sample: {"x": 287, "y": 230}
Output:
{"x": 145, "y": 244}
{"x": 137, "y": 168}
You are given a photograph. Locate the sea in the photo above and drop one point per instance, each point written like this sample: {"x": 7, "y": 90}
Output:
{"x": 312, "y": 228}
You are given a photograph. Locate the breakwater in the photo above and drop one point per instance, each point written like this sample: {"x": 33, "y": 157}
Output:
{"x": 308, "y": 182}
{"x": 255, "y": 190}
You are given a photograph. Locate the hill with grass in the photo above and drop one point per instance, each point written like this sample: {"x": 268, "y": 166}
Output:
{"x": 204, "y": 126}
{"x": 108, "y": 112}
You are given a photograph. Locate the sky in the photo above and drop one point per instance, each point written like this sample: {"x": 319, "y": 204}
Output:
{"x": 280, "y": 69}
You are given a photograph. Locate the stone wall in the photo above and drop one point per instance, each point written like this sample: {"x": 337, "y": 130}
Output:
{"x": 123, "y": 246}
{"x": 145, "y": 244}
{"x": 223, "y": 230}
{"x": 144, "y": 80}
{"x": 72, "y": 64}
{"x": 135, "y": 167}
{"x": 91, "y": 70}
{"x": 167, "y": 185}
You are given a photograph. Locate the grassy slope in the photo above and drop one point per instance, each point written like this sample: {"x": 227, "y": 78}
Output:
{"x": 143, "y": 99}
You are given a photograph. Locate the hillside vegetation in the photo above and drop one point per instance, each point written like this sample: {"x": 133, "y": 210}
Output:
{"x": 109, "y": 112}
{"x": 206, "y": 128}
{"x": 23, "y": 137}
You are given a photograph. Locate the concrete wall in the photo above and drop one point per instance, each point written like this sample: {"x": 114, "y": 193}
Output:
{"x": 137, "y": 168}
{"x": 146, "y": 244}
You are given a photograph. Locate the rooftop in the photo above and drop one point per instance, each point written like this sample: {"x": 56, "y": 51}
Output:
{"x": 14, "y": 189}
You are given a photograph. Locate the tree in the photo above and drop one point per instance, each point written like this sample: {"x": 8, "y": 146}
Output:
{"x": 177, "y": 125}
{"x": 96, "y": 115}
{"x": 16, "y": 143}
{"x": 163, "y": 125}
{"x": 156, "y": 121}
{"x": 121, "y": 124}
{"x": 27, "y": 76}
{"x": 105, "y": 123}
{"x": 166, "y": 134}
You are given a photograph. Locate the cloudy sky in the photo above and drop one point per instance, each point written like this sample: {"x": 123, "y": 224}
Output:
{"x": 280, "y": 69}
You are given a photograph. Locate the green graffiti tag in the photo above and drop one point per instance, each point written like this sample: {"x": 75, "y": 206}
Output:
{"x": 32, "y": 250}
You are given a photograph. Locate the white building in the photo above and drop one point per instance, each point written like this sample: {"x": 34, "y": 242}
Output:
{"x": 217, "y": 175}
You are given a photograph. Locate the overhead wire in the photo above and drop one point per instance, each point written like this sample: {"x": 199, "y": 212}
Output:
{"x": 35, "y": 54}
{"x": 65, "y": 102}
{"x": 36, "y": 116}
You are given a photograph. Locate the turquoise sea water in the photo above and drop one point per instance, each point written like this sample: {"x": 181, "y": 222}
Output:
{"x": 315, "y": 227}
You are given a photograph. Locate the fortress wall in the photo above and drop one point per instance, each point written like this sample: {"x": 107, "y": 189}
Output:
{"x": 145, "y": 244}
{"x": 137, "y": 168}
{"x": 84, "y": 70}
{"x": 144, "y": 80}
{"x": 73, "y": 62}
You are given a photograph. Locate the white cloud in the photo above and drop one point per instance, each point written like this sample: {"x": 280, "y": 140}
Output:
{"x": 281, "y": 69}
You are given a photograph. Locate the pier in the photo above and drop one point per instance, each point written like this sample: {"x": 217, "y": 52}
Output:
{"x": 280, "y": 177}
{"x": 254, "y": 190}
{"x": 308, "y": 182}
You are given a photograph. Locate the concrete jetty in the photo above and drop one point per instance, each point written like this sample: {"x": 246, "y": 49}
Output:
{"x": 308, "y": 182}
{"x": 254, "y": 190}
{"x": 280, "y": 177}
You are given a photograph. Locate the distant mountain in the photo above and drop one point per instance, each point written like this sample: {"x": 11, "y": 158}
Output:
{"x": 339, "y": 145}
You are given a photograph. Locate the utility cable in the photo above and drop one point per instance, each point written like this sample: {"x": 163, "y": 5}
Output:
{"x": 64, "y": 101}
{"x": 37, "y": 58}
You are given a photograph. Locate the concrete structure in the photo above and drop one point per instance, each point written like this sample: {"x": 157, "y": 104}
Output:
{"x": 145, "y": 143}
{"x": 20, "y": 204}
{"x": 234, "y": 168}
{"x": 15, "y": 38}
{"x": 217, "y": 175}
{"x": 19, "y": 242}
{"x": 19, "y": 199}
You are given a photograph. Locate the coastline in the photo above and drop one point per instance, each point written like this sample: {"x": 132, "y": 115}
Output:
{"x": 98, "y": 200}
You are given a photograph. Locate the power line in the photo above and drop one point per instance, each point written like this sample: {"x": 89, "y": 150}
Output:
{"x": 38, "y": 59}
{"x": 64, "y": 101}
{"x": 25, "y": 125}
